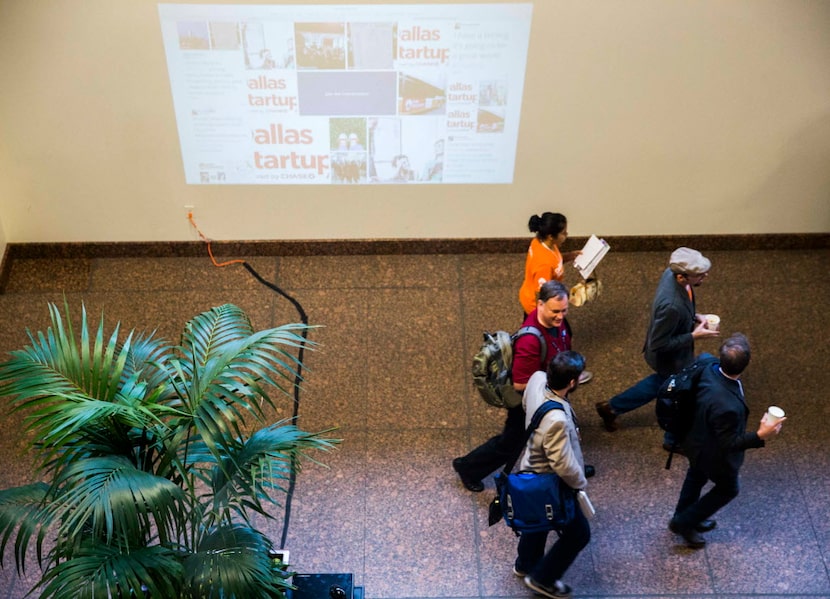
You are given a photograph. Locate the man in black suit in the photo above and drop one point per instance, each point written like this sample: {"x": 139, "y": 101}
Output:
{"x": 716, "y": 442}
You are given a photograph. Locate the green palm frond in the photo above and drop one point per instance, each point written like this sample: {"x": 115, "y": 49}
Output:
{"x": 207, "y": 333}
{"x": 233, "y": 562}
{"x": 109, "y": 498}
{"x": 21, "y": 509}
{"x": 98, "y": 570}
{"x": 221, "y": 342}
{"x": 147, "y": 358}
{"x": 224, "y": 369}
{"x": 257, "y": 467}
{"x": 72, "y": 427}
{"x": 58, "y": 365}
{"x": 146, "y": 375}
{"x": 70, "y": 416}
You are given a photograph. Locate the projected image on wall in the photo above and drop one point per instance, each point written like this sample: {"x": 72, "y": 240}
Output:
{"x": 348, "y": 156}
{"x": 349, "y": 94}
{"x": 422, "y": 94}
{"x": 320, "y": 45}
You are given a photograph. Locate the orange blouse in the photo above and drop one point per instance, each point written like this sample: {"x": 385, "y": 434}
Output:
{"x": 542, "y": 264}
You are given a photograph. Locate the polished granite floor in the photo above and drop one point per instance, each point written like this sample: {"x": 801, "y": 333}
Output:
{"x": 392, "y": 374}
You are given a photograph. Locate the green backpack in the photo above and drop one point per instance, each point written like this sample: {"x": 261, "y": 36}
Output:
{"x": 493, "y": 363}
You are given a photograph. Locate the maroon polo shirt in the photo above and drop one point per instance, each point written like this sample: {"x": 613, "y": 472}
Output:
{"x": 526, "y": 352}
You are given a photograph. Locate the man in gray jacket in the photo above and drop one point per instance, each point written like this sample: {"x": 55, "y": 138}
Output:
{"x": 672, "y": 330}
{"x": 554, "y": 447}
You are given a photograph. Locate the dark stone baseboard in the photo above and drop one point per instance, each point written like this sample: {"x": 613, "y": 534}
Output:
{"x": 367, "y": 247}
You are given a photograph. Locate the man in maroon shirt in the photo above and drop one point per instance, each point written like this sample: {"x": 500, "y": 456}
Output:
{"x": 549, "y": 318}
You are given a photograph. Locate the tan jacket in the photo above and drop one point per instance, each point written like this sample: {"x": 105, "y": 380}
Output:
{"x": 554, "y": 445}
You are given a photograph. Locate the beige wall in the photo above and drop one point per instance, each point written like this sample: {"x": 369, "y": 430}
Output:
{"x": 2, "y": 241}
{"x": 640, "y": 117}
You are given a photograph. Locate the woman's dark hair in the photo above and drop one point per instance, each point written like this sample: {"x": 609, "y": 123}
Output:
{"x": 549, "y": 224}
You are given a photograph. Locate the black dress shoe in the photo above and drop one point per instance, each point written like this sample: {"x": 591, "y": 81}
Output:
{"x": 471, "y": 484}
{"x": 608, "y": 416}
{"x": 706, "y": 525}
{"x": 590, "y": 471}
{"x": 690, "y": 535}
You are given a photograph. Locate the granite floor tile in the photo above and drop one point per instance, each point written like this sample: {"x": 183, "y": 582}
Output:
{"x": 33, "y": 276}
{"x": 392, "y": 375}
{"x": 768, "y": 526}
{"x": 769, "y": 267}
{"x": 412, "y": 359}
{"x": 22, "y": 312}
{"x": 499, "y": 311}
{"x": 361, "y": 272}
{"x": 632, "y": 548}
{"x": 14, "y": 587}
{"x": 327, "y": 525}
{"x": 806, "y": 445}
{"x": 20, "y": 463}
{"x": 165, "y": 274}
{"x": 781, "y": 596}
{"x": 167, "y": 313}
{"x": 418, "y": 522}
{"x": 336, "y": 382}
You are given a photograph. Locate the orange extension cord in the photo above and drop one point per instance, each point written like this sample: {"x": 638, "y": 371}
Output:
{"x": 207, "y": 241}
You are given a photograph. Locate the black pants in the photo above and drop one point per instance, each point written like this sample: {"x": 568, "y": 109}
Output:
{"x": 691, "y": 507}
{"x": 547, "y": 568}
{"x": 497, "y": 451}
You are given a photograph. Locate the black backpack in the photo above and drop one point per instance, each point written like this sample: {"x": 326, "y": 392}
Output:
{"x": 675, "y": 405}
{"x": 493, "y": 363}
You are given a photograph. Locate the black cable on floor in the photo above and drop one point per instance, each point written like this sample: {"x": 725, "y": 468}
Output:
{"x": 292, "y": 478}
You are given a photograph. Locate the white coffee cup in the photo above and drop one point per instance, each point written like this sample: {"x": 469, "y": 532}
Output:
{"x": 773, "y": 415}
{"x": 712, "y": 322}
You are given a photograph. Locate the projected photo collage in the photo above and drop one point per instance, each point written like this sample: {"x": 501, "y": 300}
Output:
{"x": 392, "y": 94}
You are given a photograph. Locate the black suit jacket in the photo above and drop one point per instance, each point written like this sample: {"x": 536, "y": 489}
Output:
{"x": 718, "y": 437}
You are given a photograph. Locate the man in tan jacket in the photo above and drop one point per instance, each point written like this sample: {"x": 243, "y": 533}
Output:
{"x": 554, "y": 447}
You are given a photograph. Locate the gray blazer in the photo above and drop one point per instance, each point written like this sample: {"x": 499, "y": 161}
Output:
{"x": 669, "y": 345}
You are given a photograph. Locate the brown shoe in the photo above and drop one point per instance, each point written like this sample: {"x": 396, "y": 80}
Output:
{"x": 608, "y": 416}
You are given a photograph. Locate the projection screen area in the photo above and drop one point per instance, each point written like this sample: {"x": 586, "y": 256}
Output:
{"x": 348, "y": 94}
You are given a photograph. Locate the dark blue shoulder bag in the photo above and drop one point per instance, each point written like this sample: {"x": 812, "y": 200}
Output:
{"x": 530, "y": 501}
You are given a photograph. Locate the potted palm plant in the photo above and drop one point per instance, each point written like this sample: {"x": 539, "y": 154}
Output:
{"x": 150, "y": 473}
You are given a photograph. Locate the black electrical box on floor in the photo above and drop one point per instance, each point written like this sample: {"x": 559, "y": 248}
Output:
{"x": 325, "y": 586}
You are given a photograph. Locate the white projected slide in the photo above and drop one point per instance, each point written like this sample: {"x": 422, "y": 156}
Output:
{"x": 349, "y": 94}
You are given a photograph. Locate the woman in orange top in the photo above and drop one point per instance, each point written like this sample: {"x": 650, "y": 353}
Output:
{"x": 544, "y": 260}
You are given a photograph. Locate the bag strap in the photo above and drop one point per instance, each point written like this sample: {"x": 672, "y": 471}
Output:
{"x": 531, "y": 330}
{"x": 547, "y": 406}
